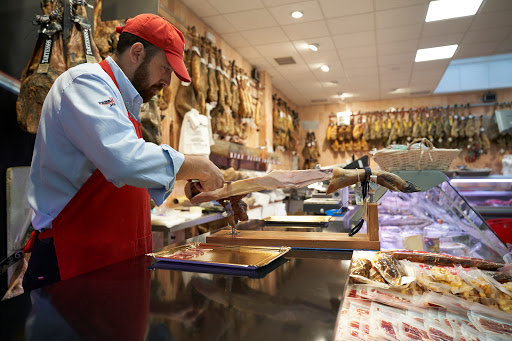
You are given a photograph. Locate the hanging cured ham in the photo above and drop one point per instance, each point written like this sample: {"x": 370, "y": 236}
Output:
{"x": 212, "y": 94}
{"x": 105, "y": 35}
{"x": 234, "y": 88}
{"x": 81, "y": 47}
{"x": 185, "y": 96}
{"x": 151, "y": 121}
{"x": 219, "y": 121}
{"x": 45, "y": 65}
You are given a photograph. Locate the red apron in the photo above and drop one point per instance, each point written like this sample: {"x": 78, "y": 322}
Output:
{"x": 101, "y": 224}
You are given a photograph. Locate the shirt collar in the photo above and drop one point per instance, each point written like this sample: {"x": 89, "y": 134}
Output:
{"x": 131, "y": 97}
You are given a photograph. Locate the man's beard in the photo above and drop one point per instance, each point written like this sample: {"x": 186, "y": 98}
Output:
{"x": 141, "y": 82}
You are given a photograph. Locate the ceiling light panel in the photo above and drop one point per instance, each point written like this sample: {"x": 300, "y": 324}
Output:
{"x": 435, "y": 53}
{"x": 449, "y": 9}
{"x": 297, "y": 14}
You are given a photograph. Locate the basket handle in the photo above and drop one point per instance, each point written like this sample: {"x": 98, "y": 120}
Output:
{"x": 427, "y": 143}
{"x": 423, "y": 140}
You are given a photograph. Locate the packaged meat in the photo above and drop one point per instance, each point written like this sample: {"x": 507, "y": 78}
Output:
{"x": 391, "y": 298}
{"x": 471, "y": 334}
{"x": 410, "y": 329}
{"x": 438, "y": 331}
{"x": 384, "y": 322}
{"x": 388, "y": 267}
{"x": 375, "y": 276}
{"x": 491, "y": 321}
{"x": 444, "y": 260}
{"x": 361, "y": 267}
{"x": 359, "y": 312}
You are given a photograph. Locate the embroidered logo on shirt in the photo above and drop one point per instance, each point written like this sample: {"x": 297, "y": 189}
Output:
{"x": 110, "y": 101}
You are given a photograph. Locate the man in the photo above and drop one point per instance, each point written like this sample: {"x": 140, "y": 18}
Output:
{"x": 92, "y": 174}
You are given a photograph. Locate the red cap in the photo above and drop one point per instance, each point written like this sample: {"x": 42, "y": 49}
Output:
{"x": 159, "y": 32}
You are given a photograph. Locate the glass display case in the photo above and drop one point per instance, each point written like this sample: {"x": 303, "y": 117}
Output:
{"x": 438, "y": 219}
{"x": 491, "y": 196}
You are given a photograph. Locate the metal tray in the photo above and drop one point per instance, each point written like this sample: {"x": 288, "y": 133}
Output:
{"x": 248, "y": 257}
{"x": 221, "y": 270}
{"x": 299, "y": 219}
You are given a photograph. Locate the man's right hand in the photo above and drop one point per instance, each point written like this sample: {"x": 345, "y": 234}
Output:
{"x": 199, "y": 168}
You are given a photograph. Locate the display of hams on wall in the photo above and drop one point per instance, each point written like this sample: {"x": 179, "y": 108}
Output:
{"x": 310, "y": 151}
{"x": 219, "y": 89}
{"x": 446, "y": 127}
{"x": 286, "y": 125}
{"x": 84, "y": 44}
{"x": 45, "y": 65}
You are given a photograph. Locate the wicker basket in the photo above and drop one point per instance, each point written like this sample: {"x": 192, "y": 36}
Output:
{"x": 432, "y": 158}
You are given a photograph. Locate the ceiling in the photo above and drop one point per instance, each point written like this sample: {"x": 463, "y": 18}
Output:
{"x": 369, "y": 45}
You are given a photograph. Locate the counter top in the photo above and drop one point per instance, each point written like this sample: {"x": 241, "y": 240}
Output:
{"x": 296, "y": 297}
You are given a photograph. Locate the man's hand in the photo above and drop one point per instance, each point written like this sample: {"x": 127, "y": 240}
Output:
{"x": 200, "y": 168}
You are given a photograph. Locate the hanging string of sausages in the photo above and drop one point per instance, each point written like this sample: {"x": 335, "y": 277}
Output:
{"x": 446, "y": 127}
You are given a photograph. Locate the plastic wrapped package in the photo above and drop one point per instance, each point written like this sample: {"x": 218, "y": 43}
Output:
{"x": 359, "y": 312}
{"x": 361, "y": 267}
{"x": 388, "y": 267}
{"x": 469, "y": 333}
{"x": 491, "y": 321}
{"x": 391, "y": 298}
{"x": 479, "y": 282}
{"x": 410, "y": 329}
{"x": 384, "y": 322}
{"x": 425, "y": 279}
{"x": 458, "y": 319}
{"x": 342, "y": 331}
{"x": 445, "y": 260}
{"x": 438, "y": 331}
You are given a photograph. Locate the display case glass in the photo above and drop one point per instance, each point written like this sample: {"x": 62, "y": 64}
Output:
{"x": 441, "y": 220}
{"x": 491, "y": 196}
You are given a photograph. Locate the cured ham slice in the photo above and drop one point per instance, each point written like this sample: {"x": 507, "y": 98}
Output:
{"x": 81, "y": 47}
{"x": 45, "y": 65}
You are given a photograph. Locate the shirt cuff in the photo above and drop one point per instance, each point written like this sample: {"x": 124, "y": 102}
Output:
{"x": 176, "y": 160}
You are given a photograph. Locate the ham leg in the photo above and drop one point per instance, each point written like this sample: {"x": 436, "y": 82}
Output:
{"x": 213, "y": 87}
{"x": 105, "y": 35}
{"x": 151, "y": 122}
{"x": 185, "y": 96}
{"x": 40, "y": 73}
{"x": 79, "y": 50}
{"x": 346, "y": 177}
{"x": 272, "y": 180}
